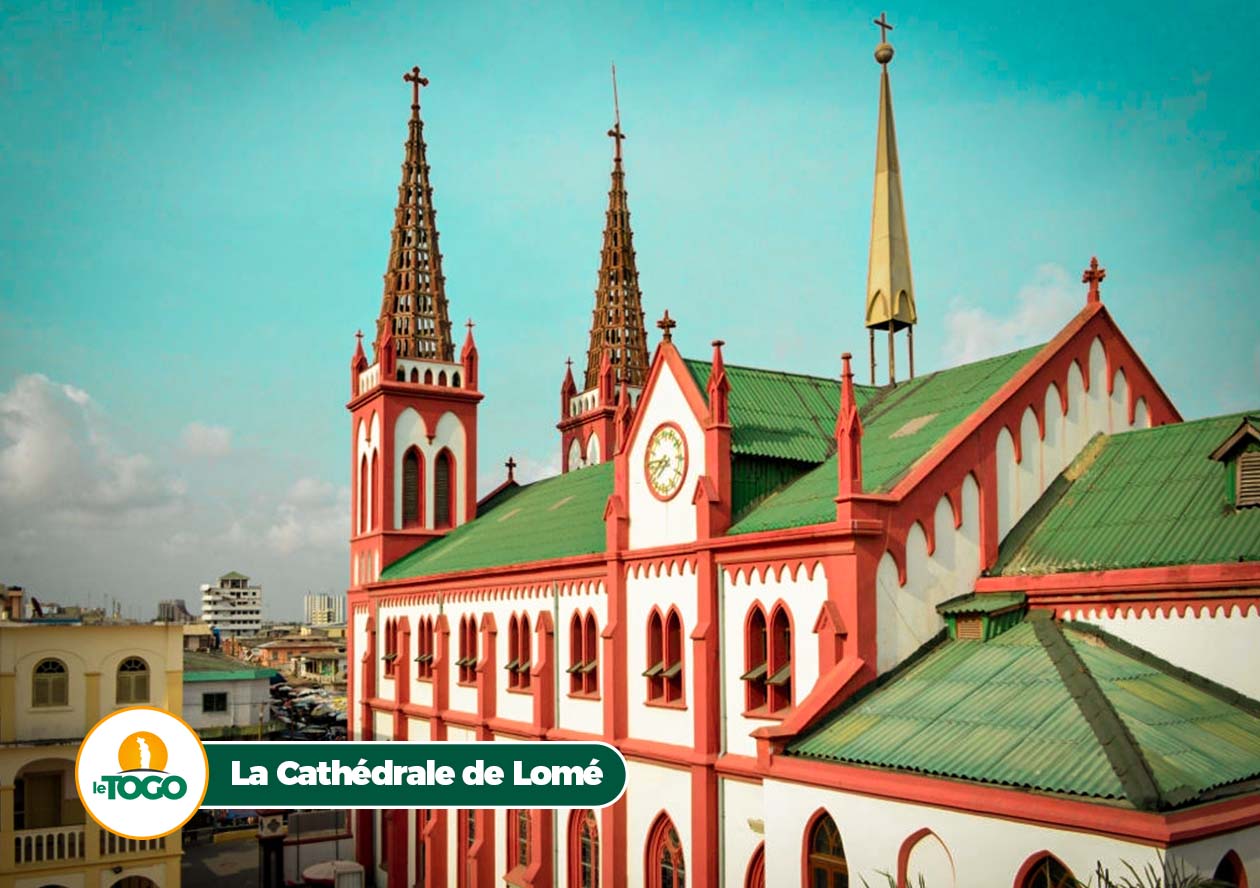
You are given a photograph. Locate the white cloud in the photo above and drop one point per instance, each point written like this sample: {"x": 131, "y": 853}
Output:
{"x": 313, "y": 515}
{"x": 57, "y": 457}
{"x": 1039, "y": 310}
{"x": 210, "y": 441}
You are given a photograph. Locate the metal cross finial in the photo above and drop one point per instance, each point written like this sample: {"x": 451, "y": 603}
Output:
{"x": 884, "y": 27}
{"x": 358, "y": 334}
{"x": 413, "y": 77}
{"x": 469, "y": 324}
{"x": 511, "y": 467}
{"x": 568, "y": 363}
{"x": 615, "y": 133}
{"x": 667, "y": 325}
{"x": 1093, "y": 276}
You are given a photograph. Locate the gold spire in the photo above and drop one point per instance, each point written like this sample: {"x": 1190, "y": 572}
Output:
{"x": 889, "y": 284}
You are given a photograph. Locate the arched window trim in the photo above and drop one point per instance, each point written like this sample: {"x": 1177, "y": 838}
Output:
{"x": 390, "y": 657}
{"x": 655, "y": 657}
{"x": 583, "y": 847}
{"x": 416, "y": 487}
{"x": 583, "y": 655}
{"x": 1236, "y": 871}
{"x": 444, "y": 512}
{"x": 131, "y": 683}
{"x": 424, "y": 649}
{"x": 519, "y": 661}
{"x": 664, "y": 844}
{"x": 674, "y": 657}
{"x": 756, "y": 660}
{"x": 780, "y": 676}
{"x": 467, "y": 662}
{"x": 374, "y": 507}
{"x": 829, "y": 864}
{"x": 755, "y": 875}
{"x": 1028, "y": 874}
{"x": 363, "y": 493}
{"x": 50, "y": 683}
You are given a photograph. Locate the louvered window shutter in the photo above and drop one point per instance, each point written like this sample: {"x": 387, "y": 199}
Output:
{"x": 1248, "y": 479}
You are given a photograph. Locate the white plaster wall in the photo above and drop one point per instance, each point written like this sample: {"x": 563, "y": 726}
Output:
{"x": 1076, "y": 430}
{"x": 650, "y": 790}
{"x": 1118, "y": 405}
{"x": 803, "y": 589}
{"x": 1028, "y": 472}
{"x": 1097, "y": 405}
{"x": 1141, "y": 416}
{"x": 358, "y": 626}
{"x": 1007, "y": 483}
{"x": 383, "y": 726}
{"x": 741, "y": 802}
{"x": 419, "y": 729}
{"x": 652, "y": 522}
{"x": 246, "y": 699}
{"x": 574, "y": 713}
{"x": 906, "y": 615}
{"x": 985, "y": 852}
{"x": 462, "y": 698}
{"x": 930, "y": 861}
{"x": 674, "y": 585}
{"x": 1218, "y": 646}
{"x": 409, "y": 429}
{"x": 1204, "y": 855}
{"x": 368, "y": 444}
{"x": 593, "y": 450}
{"x": 575, "y": 455}
{"x": 514, "y": 705}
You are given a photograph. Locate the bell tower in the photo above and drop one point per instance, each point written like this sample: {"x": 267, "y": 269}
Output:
{"x": 413, "y": 427}
{"x": 617, "y": 359}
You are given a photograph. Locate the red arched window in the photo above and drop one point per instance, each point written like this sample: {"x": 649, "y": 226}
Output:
{"x": 825, "y": 864}
{"x": 583, "y": 656}
{"x": 583, "y": 849}
{"x": 412, "y": 488}
{"x": 673, "y": 673}
{"x": 391, "y": 647}
{"x": 444, "y": 491}
{"x": 518, "y": 843}
{"x": 415, "y": 374}
{"x": 1045, "y": 871}
{"x": 428, "y": 377}
{"x": 755, "y": 877}
{"x": 755, "y": 661}
{"x": 779, "y": 675}
{"x": 375, "y": 508}
{"x": 519, "y": 662}
{"x": 424, "y": 649}
{"x": 655, "y": 657}
{"x": 1230, "y": 871}
{"x": 665, "y": 867}
{"x": 590, "y": 675}
{"x": 467, "y": 661}
{"x": 364, "y": 493}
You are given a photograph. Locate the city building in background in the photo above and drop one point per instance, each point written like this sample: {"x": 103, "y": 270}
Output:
{"x": 232, "y": 606}
{"x": 323, "y": 608}
{"x": 58, "y": 677}
{"x": 174, "y": 610}
{"x": 225, "y": 699}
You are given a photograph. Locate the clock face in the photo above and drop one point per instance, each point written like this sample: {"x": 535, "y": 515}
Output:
{"x": 665, "y": 463}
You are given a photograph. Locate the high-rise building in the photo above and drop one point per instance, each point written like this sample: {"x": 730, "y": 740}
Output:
{"x": 174, "y": 610}
{"x": 323, "y": 608}
{"x": 232, "y": 605}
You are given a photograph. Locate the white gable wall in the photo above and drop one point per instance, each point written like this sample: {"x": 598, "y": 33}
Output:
{"x": 652, "y": 522}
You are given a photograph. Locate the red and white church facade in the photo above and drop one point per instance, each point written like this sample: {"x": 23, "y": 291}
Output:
{"x": 738, "y": 565}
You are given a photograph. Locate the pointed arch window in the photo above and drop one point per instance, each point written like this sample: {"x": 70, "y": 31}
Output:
{"x": 412, "y": 487}
{"x": 583, "y": 656}
{"x": 443, "y": 490}
{"x": 583, "y": 849}
{"x": 50, "y": 684}
{"x": 363, "y": 493}
{"x": 755, "y": 877}
{"x": 467, "y": 662}
{"x": 1048, "y": 872}
{"x": 390, "y": 657}
{"x": 519, "y": 844}
{"x": 673, "y": 674}
{"x": 131, "y": 685}
{"x": 665, "y": 658}
{"x": 826, "y": 866}
{"x": 424, "y": 649}
{"x": 1230, "y": 871}
{"x": 756, "y": 664}
{"x": 666, "y": 867}
{"x": 779, "y": 673}
{"x": 519, "y": 662}
{"x": 374, "y": 503}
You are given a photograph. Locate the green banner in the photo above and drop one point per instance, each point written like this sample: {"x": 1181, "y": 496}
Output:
{"x": 385, "y": 774}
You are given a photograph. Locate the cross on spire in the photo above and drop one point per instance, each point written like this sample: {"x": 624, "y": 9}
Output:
{"x": 511, "y": 467}
{"x": 884, "y": 27}
{"x": 469, "y": 324}
{"x": 413, "y": 77}
{"x": 615, "y": 133}
{"x": 667, "y": 325}
{"x": 1094, "y": 276}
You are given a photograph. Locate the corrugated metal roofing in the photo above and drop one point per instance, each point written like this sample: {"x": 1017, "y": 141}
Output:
{"x": 554, "y": 518}
{"x": 998, "y": 712}
{"x": 1138, "y": 499}
{"x": 900, "y": 426}
{"x": 781, "y": 415}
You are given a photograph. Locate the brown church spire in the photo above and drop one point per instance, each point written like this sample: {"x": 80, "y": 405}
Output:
{"x": 617, "y": 322}
{"x": 414, "y": 308}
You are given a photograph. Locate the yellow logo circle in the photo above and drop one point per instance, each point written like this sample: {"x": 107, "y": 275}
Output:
{"x": 142, "y": 751}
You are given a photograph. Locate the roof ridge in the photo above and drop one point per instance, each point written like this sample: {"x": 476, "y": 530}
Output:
{"x": 1232, "y": 415}
{"x": 1123, "y": 753}
{"x": 706, "y": 362}
{"x": 1225, "y": 694}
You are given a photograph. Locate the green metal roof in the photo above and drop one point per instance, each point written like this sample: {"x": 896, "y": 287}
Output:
{"x": 554, "y": 518}
{"x": 233, "y": 575}
{"x": 900, "y": 426}
{"x": 1005, "y": 712}
{"x": 1137, "y": 499}
{"x": 781, "y": 415}
{"x": 987, "y": 603}
{"x": 199, "y": 666}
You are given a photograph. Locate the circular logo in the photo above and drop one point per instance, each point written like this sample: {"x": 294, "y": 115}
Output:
{"x": 141, "y": 772}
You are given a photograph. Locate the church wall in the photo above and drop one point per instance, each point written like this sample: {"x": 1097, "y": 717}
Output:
{"x": 743, "y": 817}
{"x": 656, "y": 523}
{"x": 985, "y": 852}
{"x": 651, "y": 790}
{"x": 803, "y": 590}
{"x": 906, "y": 614}
{"x": 1203, "y": 856}
{"x": 1216, "y": 645}
{"x": 576, "y": 713}
{"x": 662, "y": 587}
{"x": 513, "y": 704}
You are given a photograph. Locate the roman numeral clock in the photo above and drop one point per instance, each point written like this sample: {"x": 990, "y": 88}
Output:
{"x": 665, "y": 461}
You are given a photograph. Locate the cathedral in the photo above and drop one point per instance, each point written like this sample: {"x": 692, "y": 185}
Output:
{"x": 987, "y": 625}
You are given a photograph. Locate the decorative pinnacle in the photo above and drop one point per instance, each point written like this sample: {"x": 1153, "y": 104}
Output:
{"x": 667, "y": 325}
{"x": 511, "y": 467}
{"x": 615, "y": 133}
{"x": 413, "y": 77}
{"x": 883, "y": 52}
{"x": 1093, "y": 276}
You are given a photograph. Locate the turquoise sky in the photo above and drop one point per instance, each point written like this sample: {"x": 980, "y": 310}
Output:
{"x": 197, "y": 202}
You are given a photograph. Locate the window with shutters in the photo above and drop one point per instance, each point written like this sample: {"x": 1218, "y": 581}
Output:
{"x": 779, "y": 671}
{"x": 50, "y": 684}
{"x": 467, "y": 662}
{"x": 412, "y": 487}
{"x": 1248, "y": 482}
{"x": 665, "y": 659}
{"x": 424, "y": 649}
{"x": 519, "y": 662}
{"x": 755, "y": 663}
{"x": 132, "y": 683}
{"x": 443, "y": 492}
{"x": 583, "y": 656}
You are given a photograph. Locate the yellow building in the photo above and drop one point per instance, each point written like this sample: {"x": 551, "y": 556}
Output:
{"x": 57, "y": 679}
